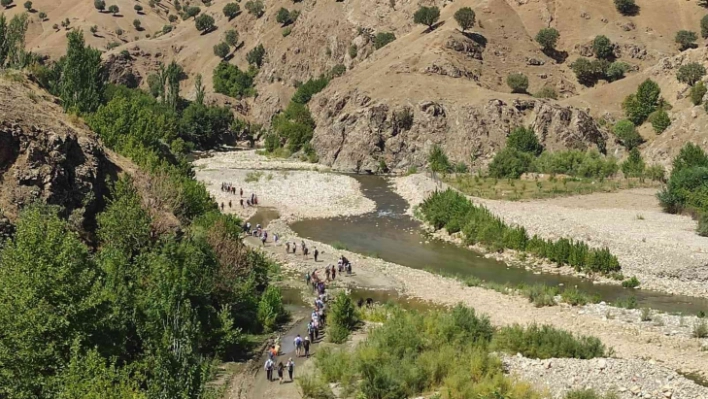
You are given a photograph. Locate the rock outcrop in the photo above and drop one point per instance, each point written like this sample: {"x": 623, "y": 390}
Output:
{"x": 356, "y": 133}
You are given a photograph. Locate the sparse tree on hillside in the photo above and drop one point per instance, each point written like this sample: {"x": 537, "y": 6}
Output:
{"x": 100, "y": 5}
{"x": 138, "y": 8}
{"x": 698, "y": 91}
{"x": 82, "y": 85}
{"x": 283, "y": 16}
{"x": 255, "y": 8}
{"x": 547, "y": 38}
{"x": 427, "y": 16}
{"x": 256, "y": 55}
{"x": 602, "y": 47}
{"x": 639, "y": 106}
{"x": 137, "y": 24}
{"x": 465, "y": 17}
{"x": 660, "y": 120}
{"x": 114, "y": 9}
{"x": 231, "y": 10}
{"x": 518, "y": 82}
{"x": 704, "y": 27}
{"x": 42, "y": 16}
{"x": 119, "y": 32}
{"x": 616, "y": 71}
{"x": 231, "y": 37}
{"x": 634, "y": 165}
{"x": 55, "y": 27}
{"x": 94, "y": 30}
{"x": 28, "y": 5}
{"x": 199, "y": 89}
{"x": 690, "y": 73}
{"x": 172, "y": 18}
{"x": 383, "y": 38}
{"x": 626, "y": 132}
{"x": 5, "y": 3}
{"x": 686, "y": 39}
{"x": 192, "y": 12}
{"x": 626, "y": 7}
{"x": 204, "y": 23}
{"x": 221, "y": 50}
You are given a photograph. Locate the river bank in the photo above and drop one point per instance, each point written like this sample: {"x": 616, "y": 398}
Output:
{"x": 634, "y": 341}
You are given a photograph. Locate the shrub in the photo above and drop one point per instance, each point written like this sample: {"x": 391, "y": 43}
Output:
{"x": 545, "y": 342}
{"x": 575, "y": 297}
{"x": 690, "y": 73}
{"x": 546, "y": 92}
{"x": 589, "y": 72}
{"x": 304, "y": 93}
{"x": 138, "y": 8}
{"x": 342, "y": 318}
{"x": 542, "y": 295}
{"x": 353, "y": 51}
{"x": 231, "y": 81}
{"x": 255, "y": 8}
{"x": 167, "y": 29}
{"x": 631, "y": 283}
{"x": 28, "y": 5}
{"x": 427, "y": 16}
{"x": 686, "y": 39}
{"x": 100, "y": 5}
{"x": 403, "y": 119}
{"x": 119, "y": 32}
{"x": 686, "y": 188}
{"x": 704, "y": 27}
{"x": 172, "y": 18}
{"x": 465, "y": 18}
{"x": 231, "y": 10}
{"x": 383, "y": 38}
{"x": 698, "y": 91}
{"x": 626, "y": 7}
{"x": 588, "y": 394}
{"x": 625, "y": 131}
{"x": 524, "y": 139}
{"x": 204, "y": 23}
{"x": 438, "y": 161}
{"x": 221, "y": 50}
{"x": 634, "y": 165}
{"x": 283, "y": 16}
{"x": 518, "y": 82}
{"x": 286, "y": 32}
{"x": 639, "y": 106}
{"x": 191, "y": 12}
{"x": 585, "y": 164}
{"x": 311, "y": 387}
{"x": 114, "y": 9}
{"x": 547, "y": 38}
{"x": 338, "y": 70}
{"x": 656, "y": 173}
{"x": 700, "y": 329}
{"x": 270, "y": 308}
{"x": 602, "y": 47}
{"x": 42, "y": 15}
{"x": 510, "y": 163}
{"x": 137, "y": 24}
{"x": 256, "y": 55}
{"x": 659, "y": 120}
{"x": 231, "y": 37}
{"x": 616, "y": 71}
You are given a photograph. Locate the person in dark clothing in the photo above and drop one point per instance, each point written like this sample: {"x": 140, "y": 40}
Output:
{"x": 222, "y": 206}
{"x": 242, "y": 192}
{"x": 316, "y": 253}
{"x": 229, "y": 204}
{"x": 306, "y": 345}
{"x": 281, "y": 368}
{"x": 269, "y": 369}
{"x": 291, "y": 367}
{"x": 241, "y": 201}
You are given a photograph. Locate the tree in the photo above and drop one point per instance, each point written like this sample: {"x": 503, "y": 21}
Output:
{"x": 192, "y": 12}
{"x": 383, "y": 38}
{"x": 524, "y": 139}
{"x": 255, "y": 8}
{"x": 465, "y": 18}
{"x": 231, "y": 10}
{"x": 686, "y": 39}
{"x": 81, "y": 83}
{"x": 6, "y": 3}
{"x": 427, "y": 16}
{"x": 231, "y": 37}
{"x": 137, "y": 25}
{"x": 221, "y": 50}
{"x": 438, "y": 160}
{"x": 94, "y": 30}
{"x": 119, "y": 32}
{"x": 100, "y": 5}
{"x": 231, "y": 81}
{"x": 690, "y": 73}
{"x": 518, "y": 82}
{"x": 283, "y": 16}
{"x": 28, "y": 5}
{"x": 547, "y": 38}
{"x": 256, "y": 55}
{"x": 626, "y": 7}
{"x": 510, "y": 163}
{"x": 634, "y": 165}
{"x": 204, "y": 23}
{"x": 704, "y": 27}
{"x": 626, "y": 132}
{"x": 616, "y": 71}
{"x": 42, "y": 15}
{"x": 172, "y": 18}
{"x": 138, "y": 8}
{"x": 602, "y": 47}
{"x": 638, "y": 106}
{"x": 114, "y": 9}
{"x": 659, "y": 120}
{"x": 199, "y": 90}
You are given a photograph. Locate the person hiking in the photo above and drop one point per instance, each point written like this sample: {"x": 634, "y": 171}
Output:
{"x": 264, "y": 237}
{"x": 241, "y": 192}
{"x": 306, "y": 346}
{"x": 310, "y": 332}
{"x": 327, "y": 272}
{"x": 334, "y": 272}
{"x": 316, "y": 253}
{"x": 281, "y": 367}
{"x": 241, "y": 201}
{"x": 304, "y": 252}
{"x": 269, "y": 369}
{"x": 298, "y": 345}
{"x": 272, "y": 353}
{"x": 287, "y": 247}
{"x": 307, "y": 278}
{"x": 291, "y": 367}
{"x": 222, "y": 206}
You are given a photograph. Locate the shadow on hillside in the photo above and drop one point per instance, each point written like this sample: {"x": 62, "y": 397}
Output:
{"x": 558, "y": 56}
{"x": 432, "y": 28}
{"x": 476, "y": 37}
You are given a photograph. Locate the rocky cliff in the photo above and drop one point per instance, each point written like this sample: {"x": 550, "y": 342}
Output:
{"x": 357, "y": 133}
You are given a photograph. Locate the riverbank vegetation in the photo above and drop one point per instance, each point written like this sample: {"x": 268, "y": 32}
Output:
{"x": 451, "y": 352}
{"x": 687, "y": 187}
{"x": 454, "y": 212}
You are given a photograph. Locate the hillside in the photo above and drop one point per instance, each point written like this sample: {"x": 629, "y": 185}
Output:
{"x": 462, "y": 74}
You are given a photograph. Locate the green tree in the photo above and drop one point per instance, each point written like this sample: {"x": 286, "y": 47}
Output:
{"x": 634, "y": 165}
{"x": 138, "y": 8}
{"x": 427, "y": 16}
{"x": 465, "y": 18}
{"x": 690, "y": 73}
{"x": 686, "y": 39}
{"x": 48, "y": 299}
{"x": 626, "y": 132}
{"x": 255, "y": 8}
{"x": 584, "y": 71}
{"x": 231, "y": 10}
{"x": 172, "y": 18}
{"x": 438, "y": 160}
{"x": 704, "y": 27}
{"x": 547, "y": 38}
{"x": 626, "y": 7}
{"x": 192, "y": 12}
{"x": 231, "y": 81}
{"x": 383, "y": 38}
{"x": 114, "y": 9}
{"x": 199, "y": 90}
{"x": 283, "y": 16}
{"x": 81, "y": 83}
{"x": 231, "y": 37}
{"x": 638, "y": 106}
{"x": 93, "y": 30}
{"x": 659, "y": 120}
{"x": 100, "y": 5}
{"x": 518, "y": 82}
{"x": 698, "y": 91}
{"x": 28, "y": 5}
{"x": 524, "y": 139}
{"x": 510, "y": 163}
{"x": 204, "y": 23}
{"x": 137, "y": 24}
{"x": 690, "y": 156}
{"x": 256, "y": 56}
{"x": 602, "y": 47}
{"x": 221, "y": 50}
{"x": 42, "y": 15}
{"x": 616, "y": 71}
{"x": 342, "y": 318}
{"x": 12, "y": 41}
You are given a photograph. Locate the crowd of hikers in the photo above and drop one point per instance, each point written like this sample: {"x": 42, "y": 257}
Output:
{"x": 231, "y": 189}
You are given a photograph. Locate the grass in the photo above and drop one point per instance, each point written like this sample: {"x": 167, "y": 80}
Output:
{"x": 311, "y": 387}
{"x": 575, "y": 297}
{"x": 518, "y": 189}
{"x": 631, "y": 283}
{"x": 338, "y": 245}
{"x": 700, "y": 329}
{"x": 627, "y": 303}
{"x": 253, "y": 176}
{"x": 545, "y": 342}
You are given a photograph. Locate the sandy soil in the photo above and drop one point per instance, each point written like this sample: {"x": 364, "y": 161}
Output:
{"x": 662, "y": 250}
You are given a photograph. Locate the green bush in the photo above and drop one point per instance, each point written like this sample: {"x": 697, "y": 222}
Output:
{"x": 589, "y": 394}
{"x": 438, "y": 161}
{"x": 545, "y": 342}
{"x": 616, "y": 71}
{"x": 383, "y": 38}
{"x": 256, "y": 55}
{"x": 231, "y": 10}
{"x": 688, "y": 184}
{"x": 465, "y": 18}
{"x": 686, "y": 39}
{"x": 639, "y": 106}
{"x": 304, "y": 93}
{"x": 547, "y": 38}
{"x": 602, "y": 47}
{"x": 546, "y": 92}
{"x": 631, "y": 283}
{"x": 541, "y": 295}
{"x": 270, "y": 308}
{"x": 341, "y": 319}
{"x": 656, "y": 173}
{"x": 691, "y": 73}
{"x": 576, "y": 163}
{"x": 518, "y": 82}
{"x": 659, "y": 120}
{"x": 575, "y": 297}
{"x": 231, "y": 81}
{"x": 427, "y": 16}
{"x": 255, "y": 8}
{"x": 625, "y": 131}
{"x": 634, "y": 165}
{"x": 524, "y": 139}
{"x": 626, "y": 7}
{"x": 704, "y": 27}
{"x": 697, "y": 92}
{"x": 510, "y": 163}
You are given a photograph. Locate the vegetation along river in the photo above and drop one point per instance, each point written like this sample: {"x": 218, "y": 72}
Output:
{"x": 395, "y": 237}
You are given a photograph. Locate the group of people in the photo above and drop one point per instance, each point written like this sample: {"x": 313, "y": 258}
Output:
{"x": 231, "y": 189}
{"x": 280, "y": 368}
{"x": 292, "y": 248}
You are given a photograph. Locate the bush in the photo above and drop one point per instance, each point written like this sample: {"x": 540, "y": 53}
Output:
{"x": 100, "y": 5}
{"x": 270, "y": 308}
{"x": 589, "y": 72}
{"x": 616, "y": 71}
{"x": 204, "y": 23}
{"x": 704, "y": 27}
{"x": 545, "y": 342}
{"x": 311, "y": 387}
{"x": 656, "y": 173}
{"x": 686, "y": 39}
{"x": 114, "y": 9}
{"x": 255, "y": 8}
{"x": 631, "y": 283}
{"x": 438, "y": 161}
{"x": 256, "y": 56}
{"x": 602, "y": 47}
{"x": 576, "y": 163}
{"x": 547, "y": 38}
{"x": 659, "y": 120}
{"x": 542, "y": 295}
{"x": 700, "y": 329}
{"x": 518, "y": 82}
{"x": 231, "y": 37}
{"x": 137, "y": 24}
{"x": 337, "y": 70}
{"x": 342, "y": 319}
{"x": 304, "y": 93}
{"x": 465, "y": 18}
{"x": 231, "y": 10}
{"x": 524, "y": 139}
{"x": 634, "y": 165}
{"x": 222, "y": 50}
{"x": 575, "y": 297}
{"x": 625, "y": 131}
{"x": 690, "y": 73}
{"x": 427, "y": 16}
{"x": 383, "y": 38}
{"x": 510, "y": 163}
{"x": 546, "y": 92}
{"x": 191, "y": 12}
{"x": 639, "y": 106}
{"x": 698, "y": 91}
{"x": 231, "y": 81}
{"x": 283, "y": 16}
{"x": 702, "y": 228}
{"x": 626, "y": 7}
{"x": 589, "y": 394}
